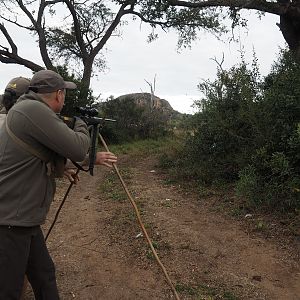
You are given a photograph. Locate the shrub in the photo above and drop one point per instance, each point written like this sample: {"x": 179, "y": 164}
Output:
{"x": 247, "y": 131}
{"x": 270, "y": 182}
{"x": 224, "y": 127}
{"x": 134, "y": 122}
{"x": 275, "y": 165}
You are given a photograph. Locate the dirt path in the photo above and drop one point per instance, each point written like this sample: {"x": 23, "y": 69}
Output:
{"x": 99, "y": 253}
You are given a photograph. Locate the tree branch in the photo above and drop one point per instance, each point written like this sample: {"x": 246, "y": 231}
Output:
{"x": 261, "y": 5}
{"x": 39, "y": 30}
{"x": 12, "y": 58}
{"x": 16, "y": 23}
{"x": 26, "y": 11}
{"x": 165, "y": 24}
{"x": 110, "y": 29}
{"x": 77, "y": 29}
{"x": 161, "y": 23}
{"x": 13, "y": 46}
{"x": 47, "y": 3}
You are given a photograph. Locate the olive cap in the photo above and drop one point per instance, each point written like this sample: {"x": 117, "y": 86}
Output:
{"x": 47, "y": 81}
{"x": 17, "y": 86}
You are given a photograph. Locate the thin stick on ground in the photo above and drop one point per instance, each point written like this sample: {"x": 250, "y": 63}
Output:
{"x": 141, "y": 223}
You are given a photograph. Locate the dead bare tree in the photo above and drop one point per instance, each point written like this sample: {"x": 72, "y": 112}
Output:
{"x": 152, "y": 90}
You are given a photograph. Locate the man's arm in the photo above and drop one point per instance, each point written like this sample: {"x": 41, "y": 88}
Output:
{"x": 36, "y": 122}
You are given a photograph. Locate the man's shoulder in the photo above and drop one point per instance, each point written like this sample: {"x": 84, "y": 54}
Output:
{"x": 28, "y": 105}
{"x": 30, "y": 113}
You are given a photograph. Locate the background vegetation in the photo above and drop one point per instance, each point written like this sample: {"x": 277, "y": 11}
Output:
{"x": 133, "y": 121}
{"x": 247, "y": 132}
{"x": 247, "y": 129}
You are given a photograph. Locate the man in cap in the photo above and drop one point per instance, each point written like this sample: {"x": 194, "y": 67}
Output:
{"x": 14, "y": 89}
{"x": 27, "y": 182}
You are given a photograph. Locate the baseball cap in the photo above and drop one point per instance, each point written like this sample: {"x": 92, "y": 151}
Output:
{"x": 18, "y": 86}
{"x": 47, "y": 81}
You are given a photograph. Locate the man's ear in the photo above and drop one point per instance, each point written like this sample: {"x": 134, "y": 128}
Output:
{"x": 58, "y": 95}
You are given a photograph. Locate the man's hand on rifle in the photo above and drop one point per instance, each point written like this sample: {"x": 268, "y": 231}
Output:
{"x": 105, "y": 158}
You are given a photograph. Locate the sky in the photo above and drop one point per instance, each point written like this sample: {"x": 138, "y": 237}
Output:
{"x": 132, "y": 61}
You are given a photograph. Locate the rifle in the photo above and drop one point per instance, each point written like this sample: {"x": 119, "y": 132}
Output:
{"x": 94, "y": 123}
{"x": 88, "y": 115}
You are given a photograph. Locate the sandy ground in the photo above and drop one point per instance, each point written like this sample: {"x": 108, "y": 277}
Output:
{"x": 99, "y": 252}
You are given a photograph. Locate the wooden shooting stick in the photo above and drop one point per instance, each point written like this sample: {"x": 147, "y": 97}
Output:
{"x": 141, "y": 223}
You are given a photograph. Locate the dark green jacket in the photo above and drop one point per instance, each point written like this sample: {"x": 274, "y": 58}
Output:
{"x": 26, "y": 191}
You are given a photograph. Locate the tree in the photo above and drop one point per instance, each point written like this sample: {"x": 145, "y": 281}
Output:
{"x": 79, "y": 35}
{"x": 287, "y": 10}
{"x": 72, "y": 31}
{"x": 247, "y": 132}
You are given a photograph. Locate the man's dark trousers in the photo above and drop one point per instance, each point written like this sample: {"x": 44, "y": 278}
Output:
{"x": 23, "y": 251}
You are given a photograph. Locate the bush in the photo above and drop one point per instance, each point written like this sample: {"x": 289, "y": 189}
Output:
{"x": 247, "y": 131}
{"x": 134, "y": 122}
{"x": 277, "y": 163}
{"x": 224, "y": 128}
{"x": 270, "y": 183}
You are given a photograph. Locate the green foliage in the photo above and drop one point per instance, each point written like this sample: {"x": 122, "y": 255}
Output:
{"x": 63, "y": 42}
{"x": 144, "y": 147}
{"x": 111, "y": 189}
{"x": 223, "y": 135}
{"x": 171, "y": 158}
{"x": 133, "y": 121}
{"x": 270, "y": 181}
{"x": 272, "y": 178}
{"x": 188, "y": 22}
{"x": 280, "y": 105}
{"x": 247, "y": 131}
{"x": 204, "y": 292}
{"x": 248, "y": 185}
{"x": 73, "y": 97}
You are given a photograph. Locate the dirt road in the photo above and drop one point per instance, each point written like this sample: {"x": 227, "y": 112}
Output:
{"x": 100, "y": 254}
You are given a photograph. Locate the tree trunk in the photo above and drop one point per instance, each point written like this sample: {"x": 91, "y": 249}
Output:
{"x": 290, "y": 28}
{"x": 86, "y": 79}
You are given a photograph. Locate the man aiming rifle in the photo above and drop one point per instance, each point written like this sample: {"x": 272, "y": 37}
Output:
{"x": 35, "y": 143}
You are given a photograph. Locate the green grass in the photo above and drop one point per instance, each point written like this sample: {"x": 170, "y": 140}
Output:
{"x": 146, "y": 147}
{"x": 185, "y": 289}
{"x": 204, "y": 292}
{"x": 111, "y": 188}
{"x": 150, "y": 255}
{"x": 261, "y": 225}
{"x": 229, "y": 296}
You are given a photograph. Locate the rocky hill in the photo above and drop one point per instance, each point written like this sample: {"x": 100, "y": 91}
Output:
{"x": 151, "y": 102}
{"x": 139, "y": 116}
